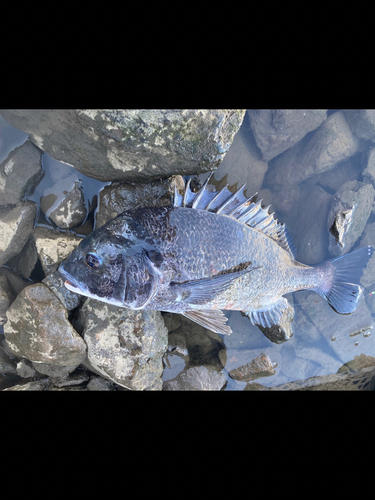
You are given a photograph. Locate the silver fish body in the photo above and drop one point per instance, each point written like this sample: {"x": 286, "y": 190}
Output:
{"x": 206, "y": 253}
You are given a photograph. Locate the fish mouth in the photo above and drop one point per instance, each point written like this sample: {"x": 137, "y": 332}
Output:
{"x": 70, "y": 282}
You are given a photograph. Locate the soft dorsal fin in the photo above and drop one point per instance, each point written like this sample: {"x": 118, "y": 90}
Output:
{"x": 238, "y": 206}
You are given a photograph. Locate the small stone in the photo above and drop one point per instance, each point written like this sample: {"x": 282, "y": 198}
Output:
{"x": 18, "y": 172}
{"x": 261, "y": 366}
{"x": 25, "y": 369}
{"x": 38, "y": 329}
{"x": 276, "y": 130}
{"x": 68, "y": 210}
{"x": 347, "y": 217}
{"x": 53, "y": 247}
{"x": 55, "y": 282}
{"x": 118, "y": 197}
{"x": 197, "y": 378}
{"x": 317, "y": 152}
{"x": 16, "y": 224}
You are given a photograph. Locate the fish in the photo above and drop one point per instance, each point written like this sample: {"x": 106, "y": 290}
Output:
{"x": 208, "y": 251}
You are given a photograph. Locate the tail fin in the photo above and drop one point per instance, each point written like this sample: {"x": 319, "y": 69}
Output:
{"x": 342, "y": 290}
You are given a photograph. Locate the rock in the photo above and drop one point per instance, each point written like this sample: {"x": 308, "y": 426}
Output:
{"x": 361, "y": 122}
{"x": 118, "y": 197}
{"x": 243, "y": 163}
{"x": 53, "y": 247}
{"x": 43, "y": 384}
{"x": 177, "y": 358}
{"x": 6, "y": 298}
{"x": 117, "y": 145}
{"x": 310, "y": 234}
{"x": 347, "y": 170}
{"x": 18, "y": 172}
{"x": 7, "y": 364}
{"x": 197, "y": 378}
{"x": 78, "y": 378}
{"x": 276, "y": 130}
{"x": 317, "y": 152}
{"x": 16, "y": 224}
{"x": 24, "y": 263}
{"x": 282, "y": 330}
{"x": 38, "y": 329}
{"x": 25, "y": 369}
{"x": 67, "y": 210}
{"x": 54, "y": 371}
{"x": 369, "y": 171}
{"x": 350, "y": 208}
{"x": 261, "y": 366}
{"x": 16, "y": 283}
{"x": 368, "y": 238}
{"x": 10, "y": 138}
{"x": 55, "y": 282}
{"x": 123, "y": 345}
{"x": 99, "y": 384}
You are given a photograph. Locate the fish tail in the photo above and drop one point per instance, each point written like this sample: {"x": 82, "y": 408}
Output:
{"x": 340, "y": 284}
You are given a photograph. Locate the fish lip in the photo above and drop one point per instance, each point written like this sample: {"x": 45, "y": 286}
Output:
{"x": 69, "y": 280}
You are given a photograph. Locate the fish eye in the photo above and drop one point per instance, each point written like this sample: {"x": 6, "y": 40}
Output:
{"x": 93, "y": 261}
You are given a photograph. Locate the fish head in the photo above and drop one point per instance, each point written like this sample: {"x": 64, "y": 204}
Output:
{"x": 115, "y": 265}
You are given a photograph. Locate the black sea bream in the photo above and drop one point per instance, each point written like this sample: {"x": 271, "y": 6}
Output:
{"x": 206, "y": 252}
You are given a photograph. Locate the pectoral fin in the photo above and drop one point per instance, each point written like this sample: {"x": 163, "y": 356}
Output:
{"x": 270, "y": 316}
{"x": 212, "y": 319}
{"x": 199, "y": 292}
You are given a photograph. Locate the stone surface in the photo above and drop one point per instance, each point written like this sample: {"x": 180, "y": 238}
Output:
{"x": 123, "y": 345}
{"x": 242, "y": 164}
{"x": 197, "y": 378}
{"x": 369, "y": 171}
{"x": 260, "y": 366}
{"x": 54, "y": 371}
{"x": 25, "y": 369}
{"x": 55, "y": 282}
{"x": 99, "y": 384}
{"x": 7, "y": 364}
{"x": 361, "y": 122}
{"x": 276, "y": 130}
{"x": 350, "y": 208}
{"x": 16, "y": 225}
{"x": 121, "y": 196}
{"x": 6, "y": 298}
{"x": 67, "y": 209}
{"x": 131, "y": 144}
{"x": 53, "y": 247}
{"x": 347, "y": 170}
{"x": 18, "y": 172}
{"x": 16, "y": 283}
{"x": 43, "y": 384}
{"x": 317, "y": 152}
{"x": 24, "y": 263}
{"x": 38, "y": 329}
{"x": 368, "y": 238}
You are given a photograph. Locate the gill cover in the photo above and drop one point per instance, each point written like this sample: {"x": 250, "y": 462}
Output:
{"x": 142, "y": 278}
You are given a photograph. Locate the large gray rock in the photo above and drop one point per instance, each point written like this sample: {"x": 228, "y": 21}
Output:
{"x": 38, "y": 329}
{"x": 121, "y": 196}
{"x": 123, "y": 345}
{"x": 361, "y": 122}
{"x": 16, "y": 225}
{"x": 322, "y": 150}
{"x": 53, "y": 247}
{"x": 276, "y": 130}
{"x": 350, "y": 208}
{"x": 65, "y": 204}
{"x": 131, "y": 144}
{"x": 19, "y": 171}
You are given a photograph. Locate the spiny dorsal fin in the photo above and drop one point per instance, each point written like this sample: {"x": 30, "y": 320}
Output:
{"x": 238, "y": 206}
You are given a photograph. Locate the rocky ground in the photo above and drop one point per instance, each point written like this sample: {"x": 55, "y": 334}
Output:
{"x": 317, "y": 168}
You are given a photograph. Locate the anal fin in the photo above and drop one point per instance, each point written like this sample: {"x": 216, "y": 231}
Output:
{"x": 270, "y": 316}
{"x": 212, "y": 319}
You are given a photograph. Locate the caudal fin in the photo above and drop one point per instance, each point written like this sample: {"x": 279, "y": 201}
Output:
{"x": 341, "y": 289}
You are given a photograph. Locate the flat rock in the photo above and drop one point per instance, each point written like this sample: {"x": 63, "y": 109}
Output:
{"x": 361, "y": 122}
{"x": 16, "y": 225}
{"x": 121, "y": 196}
{"x": 276, "y": 130}
{"x": 53, "y": 247}
{"x": 67, "y": 208}
{"x": 350, "y": 208}
{"x": 19, "y": 171}
{"x": 55, "y": 282}
{"x": 197, "y": 378}
{"x": 38, "y": 329}
{"x": 317, "y": 152}
{"x": 133, "y": 144}
{"x": 124, "y": 345}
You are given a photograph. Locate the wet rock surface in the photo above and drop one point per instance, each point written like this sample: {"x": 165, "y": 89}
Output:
{"x": 317, "y": 152}
{"x": 118, "y": 197}
{"x": 16, "y": 225}
{"x": 260, "y": 366}
{"x": 69, "y": 210}
{"x": 24, "y": 263}
{"x": 38, "y": 329}
{"x": 19, "y": 172}
{"x": 123, "y": 345}
{"x": 349, "y": 212}
{"x": 112, "y": 145}
{"x": 276, "y": 130}
{"x": 53, "y": 247}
